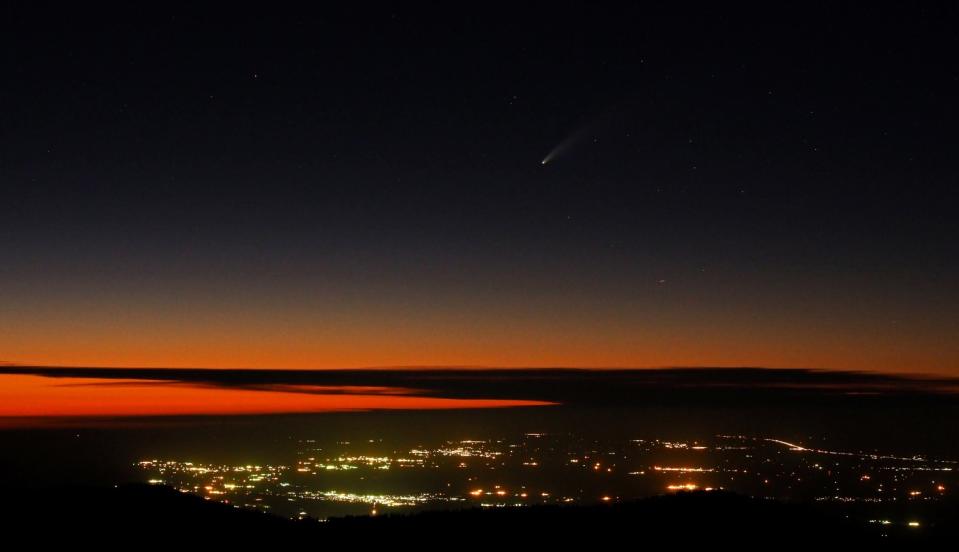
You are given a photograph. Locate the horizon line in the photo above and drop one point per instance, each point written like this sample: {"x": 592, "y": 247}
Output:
{"x": 482, "y": 368}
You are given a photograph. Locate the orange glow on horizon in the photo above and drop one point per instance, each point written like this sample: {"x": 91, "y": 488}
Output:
{"x": 568, "y": 355}
{"x": 189, "y": 333}
{"x": 27, "y": 396}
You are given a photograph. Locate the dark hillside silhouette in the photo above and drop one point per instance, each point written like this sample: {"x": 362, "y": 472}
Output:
{"x": 136, "y": 515}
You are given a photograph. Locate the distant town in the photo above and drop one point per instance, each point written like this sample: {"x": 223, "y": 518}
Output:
{"x": 377, "y": 476}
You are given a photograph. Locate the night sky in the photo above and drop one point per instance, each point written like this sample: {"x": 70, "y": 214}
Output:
{"x": 332, "y": 189}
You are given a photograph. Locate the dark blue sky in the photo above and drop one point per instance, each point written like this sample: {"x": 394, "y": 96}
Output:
{"x": 744, "y": 187}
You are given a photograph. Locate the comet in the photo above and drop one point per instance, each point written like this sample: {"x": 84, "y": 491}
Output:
{"x": 567, "y": 144}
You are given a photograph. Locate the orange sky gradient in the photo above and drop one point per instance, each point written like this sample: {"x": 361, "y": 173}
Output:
{"x": 554, "y": 325}
{"x": 513, "y": 347}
